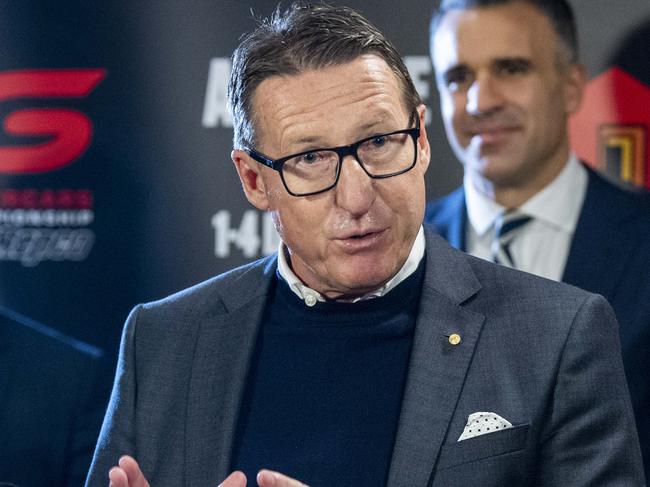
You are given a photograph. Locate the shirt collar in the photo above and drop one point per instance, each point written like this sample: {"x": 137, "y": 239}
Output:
{"x": 310, "y": 296}
{"x": 481, "y": 210}
{"x": 558, "y": 204}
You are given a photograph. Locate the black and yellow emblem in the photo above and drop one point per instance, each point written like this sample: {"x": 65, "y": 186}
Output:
{"x": 622, "y": 150}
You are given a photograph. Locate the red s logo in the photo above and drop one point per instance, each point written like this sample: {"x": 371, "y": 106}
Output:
{"x": 70, "y": 130}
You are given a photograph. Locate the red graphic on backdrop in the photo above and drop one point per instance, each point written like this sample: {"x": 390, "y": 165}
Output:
{"x": 70, "y": 131}
{"x": 611, "y": 129}
{"x": 76, "y": 199}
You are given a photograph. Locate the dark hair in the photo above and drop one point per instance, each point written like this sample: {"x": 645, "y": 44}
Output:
{"x": 559, "y": 12}
{"x": 302, "y": 38}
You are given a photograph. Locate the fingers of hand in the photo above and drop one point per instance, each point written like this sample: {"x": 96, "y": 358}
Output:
{"x": 235, "y": 479}
{"x": 117, "y": 478}
{"x": 127, "y": 474}
{"x": 269, "y": 478}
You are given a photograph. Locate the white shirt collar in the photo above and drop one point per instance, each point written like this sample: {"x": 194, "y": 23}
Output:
{"x": 310, "y": 296}
{"x": 559, "y": 204}
{"x": 481, "y": 210}
{"x": 556, "y": 204}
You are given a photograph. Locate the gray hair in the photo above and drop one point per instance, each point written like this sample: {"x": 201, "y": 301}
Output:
{"x": 302, "y": 38}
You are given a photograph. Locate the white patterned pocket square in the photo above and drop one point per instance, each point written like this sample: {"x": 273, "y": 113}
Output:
{"x": 482, "y": 423}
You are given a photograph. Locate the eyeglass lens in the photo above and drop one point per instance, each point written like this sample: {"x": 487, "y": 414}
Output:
{"x": 380, "y": 156}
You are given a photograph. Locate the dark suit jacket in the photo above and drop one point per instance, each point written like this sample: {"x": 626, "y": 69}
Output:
{"x": 609, "y": 255}
{"x": 541, "y": 354}
{"x": 52, "y": 400}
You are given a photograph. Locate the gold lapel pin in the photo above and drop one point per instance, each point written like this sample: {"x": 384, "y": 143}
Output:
{"x": 454, "y": 339}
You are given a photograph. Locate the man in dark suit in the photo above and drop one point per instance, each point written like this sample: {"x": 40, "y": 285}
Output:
{"x": 53, "y": 394}
{"x": 508, "y": 77}
{"x": 367, "y": 351}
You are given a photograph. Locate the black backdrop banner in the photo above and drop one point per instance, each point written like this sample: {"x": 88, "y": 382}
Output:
{"x": 116, "y": 185}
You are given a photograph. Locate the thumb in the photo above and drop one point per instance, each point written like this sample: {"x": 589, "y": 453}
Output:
{"x": 235, "y": 479}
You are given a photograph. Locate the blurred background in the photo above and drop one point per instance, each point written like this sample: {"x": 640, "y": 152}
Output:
{"x": 116, "y": 185}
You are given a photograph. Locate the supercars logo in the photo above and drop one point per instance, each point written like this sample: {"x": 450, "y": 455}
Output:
{"x": 611, "y": 129}
{"x": 45, "y": 224}
{"x": 67, "y": 132}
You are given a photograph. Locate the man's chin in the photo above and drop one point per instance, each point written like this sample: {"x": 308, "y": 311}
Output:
{"x": 355, "y": 284}
{"x": 495, "y": 169}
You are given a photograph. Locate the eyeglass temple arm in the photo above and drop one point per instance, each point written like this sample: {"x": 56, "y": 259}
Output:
{"x": 260, "y": 158}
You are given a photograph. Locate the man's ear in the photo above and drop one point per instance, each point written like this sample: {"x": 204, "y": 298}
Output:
{"x": 576, "y": 80}
{"x": 252, "y": 182}
{"x": 423, "y": 141}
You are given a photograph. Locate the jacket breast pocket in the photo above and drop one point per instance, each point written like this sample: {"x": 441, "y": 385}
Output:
{"x": 485, "y": 446}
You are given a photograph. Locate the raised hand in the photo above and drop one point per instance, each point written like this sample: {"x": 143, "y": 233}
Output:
{"x": 269, "y": 478}
{"x": 235, "y": 479}
{"x": 265, "y": 478}
{"x": 127, "y": 473}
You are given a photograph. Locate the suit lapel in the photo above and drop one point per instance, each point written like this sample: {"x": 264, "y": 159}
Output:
{"x": 437, "y": 368}
{"x": 599, "y": 240}
{"x": 449, "y": 217}
{"x": 223, "y": 352}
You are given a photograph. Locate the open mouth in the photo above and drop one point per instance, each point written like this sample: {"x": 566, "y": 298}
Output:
{"x": 363, "y": 235}
{"x": 361, "y": 241}
{"x": 360, "y": 235}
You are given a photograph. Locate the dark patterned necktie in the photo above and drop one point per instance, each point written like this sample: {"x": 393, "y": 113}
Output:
{"x": 506, "y": 229}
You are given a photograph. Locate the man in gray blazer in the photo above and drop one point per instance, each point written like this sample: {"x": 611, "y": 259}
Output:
{"x": 367, "y": 351}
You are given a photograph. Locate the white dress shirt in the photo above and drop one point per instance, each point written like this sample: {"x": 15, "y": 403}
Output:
{"x": 310, "y": 296}
{"x": 542, "y": 246}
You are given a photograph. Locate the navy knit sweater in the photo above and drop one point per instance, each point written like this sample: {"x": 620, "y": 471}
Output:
{"x": 324, "y": 391}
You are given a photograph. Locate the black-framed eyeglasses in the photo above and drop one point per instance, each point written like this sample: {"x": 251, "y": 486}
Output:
{"x": 316, "y": 171}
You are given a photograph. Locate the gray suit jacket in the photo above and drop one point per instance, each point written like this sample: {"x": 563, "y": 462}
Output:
{"x": 541, "y": 354}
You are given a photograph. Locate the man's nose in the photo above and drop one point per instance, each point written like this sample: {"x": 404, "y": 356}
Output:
{"x": 483, "y": 96}
{"x": 355, "y": 191}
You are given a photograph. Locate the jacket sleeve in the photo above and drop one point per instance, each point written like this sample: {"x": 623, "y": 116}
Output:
{"x": 590, "y": 437}
{"x": 117, "y": 434}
